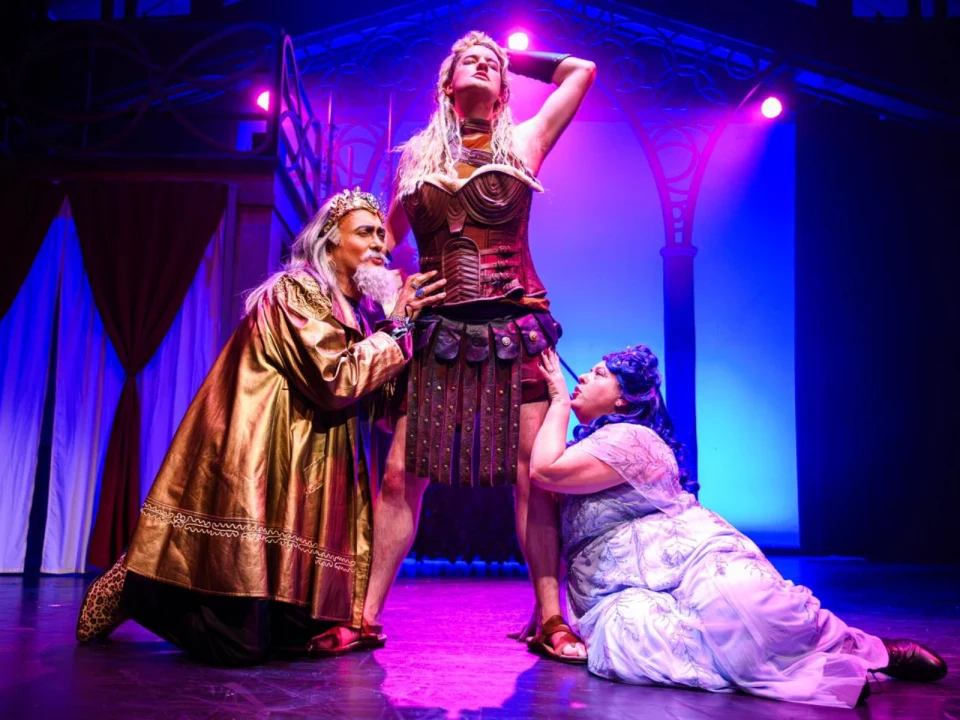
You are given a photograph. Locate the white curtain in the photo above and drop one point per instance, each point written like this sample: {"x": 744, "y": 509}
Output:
{"x": 26, "y": 332}
{"x": 173, "y": 376}
{"x": 89, "y": 381}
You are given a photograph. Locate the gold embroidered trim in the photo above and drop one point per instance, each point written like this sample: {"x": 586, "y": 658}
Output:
{"x": 302, "y": 292}
{"x": 248, "y": 530}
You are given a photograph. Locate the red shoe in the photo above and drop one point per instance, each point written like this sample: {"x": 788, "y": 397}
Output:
{"x": 330, "y": 643}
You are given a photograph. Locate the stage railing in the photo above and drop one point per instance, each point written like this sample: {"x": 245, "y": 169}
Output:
{"x": 300, "y": 132}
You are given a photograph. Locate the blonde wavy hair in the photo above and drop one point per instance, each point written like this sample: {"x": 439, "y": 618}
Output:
{"x": 436, "y": 148}
{"x": 309, "y": 253}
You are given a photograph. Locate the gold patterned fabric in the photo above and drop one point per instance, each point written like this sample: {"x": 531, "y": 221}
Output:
{"x": 266, "y": 491}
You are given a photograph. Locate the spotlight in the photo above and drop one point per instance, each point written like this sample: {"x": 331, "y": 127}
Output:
{"x": 518, "y": 41}
{"x": 771, "y": 107}
{"x": 263, "y": 101}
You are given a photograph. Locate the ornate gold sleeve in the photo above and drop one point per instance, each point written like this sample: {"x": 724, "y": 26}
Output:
{"x": 312, "y": 347}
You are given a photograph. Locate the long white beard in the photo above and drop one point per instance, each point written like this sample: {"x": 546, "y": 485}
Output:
{"x": 379, "y": 283}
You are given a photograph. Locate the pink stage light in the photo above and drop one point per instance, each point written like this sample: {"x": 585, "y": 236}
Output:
{"x": 771, "y": 108}
{"x": 263, "y": 101}
{"x": 518, "y": 41}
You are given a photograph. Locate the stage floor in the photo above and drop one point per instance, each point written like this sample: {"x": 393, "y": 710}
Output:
{"x": 447, "y": 657}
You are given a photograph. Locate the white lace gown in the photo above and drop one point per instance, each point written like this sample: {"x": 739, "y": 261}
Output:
{"x": 667, "y": 592}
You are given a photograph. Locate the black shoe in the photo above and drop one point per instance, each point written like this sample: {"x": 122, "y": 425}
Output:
{"x": 864, "y": 694}
{"x": 909, "y": 660}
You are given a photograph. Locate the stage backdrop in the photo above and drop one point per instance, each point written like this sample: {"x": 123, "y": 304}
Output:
{"x": 596, "y": 235}
{"x": 745, "y": 301}
{"x": 62, "y": 491}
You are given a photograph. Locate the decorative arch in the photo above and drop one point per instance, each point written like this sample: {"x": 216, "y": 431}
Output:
{"x": 676, "y": 86}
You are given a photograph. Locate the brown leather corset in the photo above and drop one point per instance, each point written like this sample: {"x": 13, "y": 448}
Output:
{"x": 476, "y": 237}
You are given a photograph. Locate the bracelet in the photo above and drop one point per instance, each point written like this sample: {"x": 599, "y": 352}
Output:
{"x": 401, "y": 327}
{"x": 537, "y": 65}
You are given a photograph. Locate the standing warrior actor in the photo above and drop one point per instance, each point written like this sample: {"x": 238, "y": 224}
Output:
{"x": 475, "y": 398}
{"x": 257, "y": 532}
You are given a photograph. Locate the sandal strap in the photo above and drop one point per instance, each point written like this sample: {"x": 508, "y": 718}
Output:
{"x": 369, "y": 629}
{"x": 554, "y": 625}
{"x": 334, "y": 635}
{"x": 565, "y": 639}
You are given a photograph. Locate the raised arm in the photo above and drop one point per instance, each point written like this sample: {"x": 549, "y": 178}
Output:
{"x": 573, "y": 472}
{"x": 553, "y": 466}
{"x": 573, "y": 77}
{"x": 397, "y": 225}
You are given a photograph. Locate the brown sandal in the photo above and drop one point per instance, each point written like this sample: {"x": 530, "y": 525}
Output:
{"x": 542, "y": 646}
{"x": 328, "y": 644}
{"x": 100, "y": 609}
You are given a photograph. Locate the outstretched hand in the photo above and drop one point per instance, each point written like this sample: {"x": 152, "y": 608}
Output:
{"x": 417, "y": 293}
{"x": 553, "y": 373}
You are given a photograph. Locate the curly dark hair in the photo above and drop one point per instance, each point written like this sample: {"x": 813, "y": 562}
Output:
{"x": 636, "y": 370}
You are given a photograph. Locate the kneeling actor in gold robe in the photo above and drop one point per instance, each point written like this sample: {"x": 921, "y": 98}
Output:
{"x": 256, "y": 536}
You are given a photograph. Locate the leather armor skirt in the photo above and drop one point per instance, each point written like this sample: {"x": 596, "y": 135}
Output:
{"x": 469, "y": 375}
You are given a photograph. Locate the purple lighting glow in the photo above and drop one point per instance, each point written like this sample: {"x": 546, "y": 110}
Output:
{"x": 263, "y": 100}
{"x": 771, "y": 107}
{"x": 518, "y": 41}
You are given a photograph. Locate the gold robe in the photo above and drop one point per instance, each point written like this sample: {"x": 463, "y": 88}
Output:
{"x": 267, "y": 489}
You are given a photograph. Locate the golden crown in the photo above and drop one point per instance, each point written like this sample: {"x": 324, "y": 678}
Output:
{"x": 348, "y": 201}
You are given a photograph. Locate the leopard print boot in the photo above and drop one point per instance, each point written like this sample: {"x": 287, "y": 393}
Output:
{"x": 100, "y": 609}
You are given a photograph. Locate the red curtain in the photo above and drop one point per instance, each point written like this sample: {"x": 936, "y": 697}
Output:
{"x": 27, "y": 207}
{"x": 142, "y": 243}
